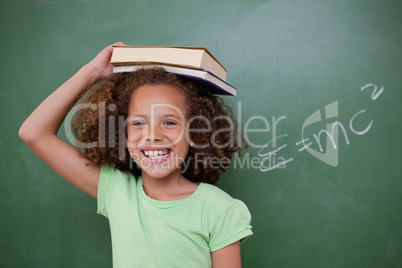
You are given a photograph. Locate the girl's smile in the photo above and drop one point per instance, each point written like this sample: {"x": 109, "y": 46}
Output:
{"x": 156, "y": 154}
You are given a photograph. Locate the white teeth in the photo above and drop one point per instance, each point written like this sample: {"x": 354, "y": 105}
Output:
{"x": 156, "y": 154}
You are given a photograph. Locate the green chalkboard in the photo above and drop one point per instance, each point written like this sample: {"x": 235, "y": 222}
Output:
{"x": 320, "y": 80}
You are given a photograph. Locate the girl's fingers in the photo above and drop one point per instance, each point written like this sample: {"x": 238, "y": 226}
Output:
{"x": 119, "y": 43}
{"x": 101, "y": 63}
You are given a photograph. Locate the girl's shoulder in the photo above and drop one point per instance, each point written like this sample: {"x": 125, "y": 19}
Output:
{"x": 224, "y": 214}
{"x": 111, "y": 177}
{"x": 218, "y": 200}
{"x": 111, "y": 172}
{"x": 214, "y": 193}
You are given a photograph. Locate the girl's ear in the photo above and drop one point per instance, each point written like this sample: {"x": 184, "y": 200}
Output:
{"x": 192, "y": 143}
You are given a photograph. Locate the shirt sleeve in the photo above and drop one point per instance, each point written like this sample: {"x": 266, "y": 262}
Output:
{"x": 231, "y": 226}
{"x": 104, "y": 189}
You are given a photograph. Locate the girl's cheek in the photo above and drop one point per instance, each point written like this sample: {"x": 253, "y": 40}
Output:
{"x": 177, "y": 135}
{"x": 134, "y": 135}
{"x": 134, "y": 139}
{"x": 135, "y": 156}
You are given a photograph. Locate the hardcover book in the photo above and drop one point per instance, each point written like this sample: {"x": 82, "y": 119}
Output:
{"x": 189, "y": 57}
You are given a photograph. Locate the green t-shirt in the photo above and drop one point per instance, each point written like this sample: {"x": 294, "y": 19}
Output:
{"x": 182, "y": 233}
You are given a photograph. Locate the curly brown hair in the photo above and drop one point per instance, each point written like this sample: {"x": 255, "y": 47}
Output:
{"x": 109, "y": 98}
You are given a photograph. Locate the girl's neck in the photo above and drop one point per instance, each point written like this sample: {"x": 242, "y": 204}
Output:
{"x": 173, "y": 187}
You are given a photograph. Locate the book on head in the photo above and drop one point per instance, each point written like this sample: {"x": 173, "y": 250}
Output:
{"x": 189, "y": 57}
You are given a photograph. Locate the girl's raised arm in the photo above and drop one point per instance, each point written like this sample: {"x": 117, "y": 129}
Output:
{"x": 39, "y": 131}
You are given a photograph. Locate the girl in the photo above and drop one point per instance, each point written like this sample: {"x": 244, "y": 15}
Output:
{"x": 163, "y": 210}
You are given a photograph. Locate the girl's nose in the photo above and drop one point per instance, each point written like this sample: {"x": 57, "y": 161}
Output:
{"x": 152, "y": 133}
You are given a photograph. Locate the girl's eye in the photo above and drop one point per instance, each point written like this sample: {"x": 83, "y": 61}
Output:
{"x": 170, "y": 123}
{"x": 140, "y": 123}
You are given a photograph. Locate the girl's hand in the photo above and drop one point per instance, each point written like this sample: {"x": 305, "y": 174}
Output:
{"x": 101, "y": 63}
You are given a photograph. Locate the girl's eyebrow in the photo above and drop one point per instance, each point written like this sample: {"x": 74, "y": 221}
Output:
{"x": 139, "y": 115}
{"x": 145, "y": 116}
{"x": 131, "y": 116}
{"x": 172, "y": 115}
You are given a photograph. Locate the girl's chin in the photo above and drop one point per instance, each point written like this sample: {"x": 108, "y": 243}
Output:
{"x": 158, "y": 173}
{"x": 159, "y": 169}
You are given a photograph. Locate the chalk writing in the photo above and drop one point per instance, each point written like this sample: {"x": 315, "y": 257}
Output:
{"x": 304, "y": 144}
{"x": 269, "y": 155}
